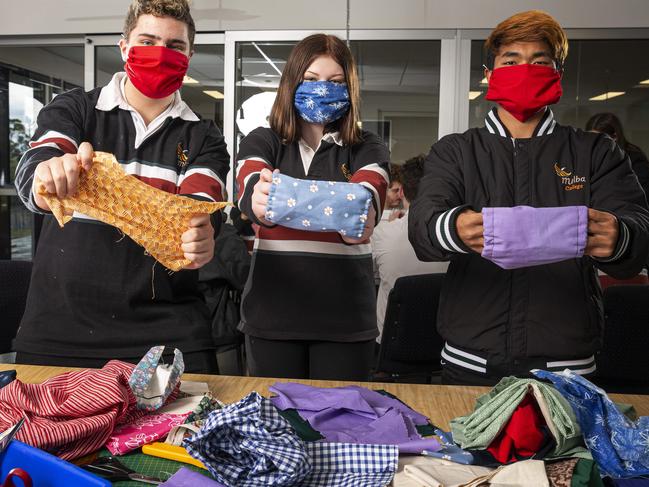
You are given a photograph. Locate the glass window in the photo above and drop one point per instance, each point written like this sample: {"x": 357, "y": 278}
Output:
{"x": 599, "y": 76}
{"x": 399, "y": 82}
{"x": 202, "y": 89}
{"x": 30, "y": 77}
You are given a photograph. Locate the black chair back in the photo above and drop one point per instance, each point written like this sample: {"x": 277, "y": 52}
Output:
{"x": 410, "y": 345}
{"x": 14, "y": 283}
{"x": 623, "y": 362}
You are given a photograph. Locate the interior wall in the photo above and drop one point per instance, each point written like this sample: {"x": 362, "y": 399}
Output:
{"x": 94, "y": 17}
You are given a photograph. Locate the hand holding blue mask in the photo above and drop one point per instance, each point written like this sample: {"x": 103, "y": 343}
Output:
{"x": 321, "y": 101}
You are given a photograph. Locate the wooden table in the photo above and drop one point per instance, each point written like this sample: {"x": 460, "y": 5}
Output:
{"x": 439, "y": 403}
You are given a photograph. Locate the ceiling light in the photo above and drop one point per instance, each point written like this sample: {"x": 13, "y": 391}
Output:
{"x": 188, "y": 80}
{"x": 214, "y": 94}
{"x": 645, "y": 82}
{"x": 474, "y": 94}
{"x": 607, "y": 96}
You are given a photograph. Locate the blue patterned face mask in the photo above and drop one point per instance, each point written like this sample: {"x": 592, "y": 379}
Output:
{"x": 321, "y": 101}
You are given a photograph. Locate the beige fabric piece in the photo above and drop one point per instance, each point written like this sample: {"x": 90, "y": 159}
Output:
{"x": 433, "y": 472}
{"x": 153, "y": 218}
{"x": 421, "y": 467}
{"x": 528, "y": 473}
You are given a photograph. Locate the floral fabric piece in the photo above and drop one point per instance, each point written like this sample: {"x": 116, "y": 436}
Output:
{"x": 318, "y": 206}
{"x": 145, "y": 430}
{"x": 152, "y": 382}
{"x": 619, "y": 446}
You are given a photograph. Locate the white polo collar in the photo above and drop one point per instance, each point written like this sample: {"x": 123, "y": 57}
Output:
{"x": 112, "y": 95}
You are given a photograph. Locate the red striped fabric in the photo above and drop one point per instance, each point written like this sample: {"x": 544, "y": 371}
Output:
{"x": 72, "y": 414}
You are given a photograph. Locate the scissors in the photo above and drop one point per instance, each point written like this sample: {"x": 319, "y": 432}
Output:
{"x": 8, "y": 435}
{"x": 112, "y": 469}
{"x": 19, "y": 473}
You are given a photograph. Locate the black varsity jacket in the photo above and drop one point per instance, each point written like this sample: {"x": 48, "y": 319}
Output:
{"x": 498, "y": 321}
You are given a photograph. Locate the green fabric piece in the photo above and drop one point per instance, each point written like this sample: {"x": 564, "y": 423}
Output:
{"x": 301, "y": 427}
{"x": 586, "y": 474}
{"x": 494, "y": 409}
{"x": 161, "y": 468}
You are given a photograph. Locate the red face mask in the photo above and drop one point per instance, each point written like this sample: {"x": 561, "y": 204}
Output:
{"x": 156, "y": 71}
{"x": 524, "y": 89}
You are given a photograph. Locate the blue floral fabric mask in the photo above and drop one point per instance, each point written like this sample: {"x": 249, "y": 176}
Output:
{"x": 321, "y": 101}
{"x": 318, "y": 206}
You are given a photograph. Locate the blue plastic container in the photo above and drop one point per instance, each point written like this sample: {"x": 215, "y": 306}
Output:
{"x": 45, "y": 470}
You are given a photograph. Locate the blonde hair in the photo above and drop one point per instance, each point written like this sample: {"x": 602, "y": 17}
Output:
{"x": 529, "y": 26}
{"x": 176, "y": 9}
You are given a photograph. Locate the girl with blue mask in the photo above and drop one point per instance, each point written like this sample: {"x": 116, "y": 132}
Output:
{"x": 309, "y": 309}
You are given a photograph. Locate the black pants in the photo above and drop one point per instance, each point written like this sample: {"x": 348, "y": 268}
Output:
{"x": 302, "y": 359}
{"x": 203, "y": 362}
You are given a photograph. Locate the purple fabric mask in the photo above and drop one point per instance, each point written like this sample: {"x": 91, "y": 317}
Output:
{"x": 523, "y": 236}
{"x": 355, "y": 414}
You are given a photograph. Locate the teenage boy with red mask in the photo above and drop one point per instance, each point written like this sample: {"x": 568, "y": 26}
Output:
{"x": 94, "y": 295}
{"x": 502, "y": 321}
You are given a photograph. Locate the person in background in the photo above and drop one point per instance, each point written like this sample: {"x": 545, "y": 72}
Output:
{"x": 501, "y": 321}
{"x": 95, "y": 294}
{"x": 393, "y": 203}
{"x": 393, "y": 254}
{"x": 308, "y": 309}
{"x": 609, "y": 124}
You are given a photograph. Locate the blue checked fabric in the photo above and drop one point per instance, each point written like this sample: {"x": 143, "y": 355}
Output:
{"x": 618, "y": 445}
{"x": 318, "y": 206}
{"x": 248, "y": 444}
{"x": 351, "y": 465}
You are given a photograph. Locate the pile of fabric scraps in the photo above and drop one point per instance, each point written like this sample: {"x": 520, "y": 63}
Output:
{"x": 76, "y": 413}
{"x": 618, "y": 444}
{"x": 354, "y": 414}
{"x": 249, "y": 443}
{"x": 519, "y": 419}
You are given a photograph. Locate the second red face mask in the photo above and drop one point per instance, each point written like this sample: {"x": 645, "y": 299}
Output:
{"x": 156, "y": 71}
{"x": 524, "y": 89}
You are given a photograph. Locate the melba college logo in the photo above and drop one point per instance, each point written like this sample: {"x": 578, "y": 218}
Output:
{"x": 570, "y": 181}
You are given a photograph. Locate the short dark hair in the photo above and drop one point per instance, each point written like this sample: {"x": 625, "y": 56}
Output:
{"x": 410, "y": 175}
{"x": 177, "y": 9}
{"x": 530, "y": 26}
{"x": 395, "y": 173}
{"x": 608, "y": 124}
{"x": 283, "y": 116}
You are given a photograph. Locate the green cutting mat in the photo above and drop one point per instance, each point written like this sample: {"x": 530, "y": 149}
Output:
{"x": 150, "y": 465}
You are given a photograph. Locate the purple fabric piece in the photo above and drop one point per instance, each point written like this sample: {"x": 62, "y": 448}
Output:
{"x": 523, "y": 236}
{"x": 354, "y": 414}
{"x": 188, "y": 478}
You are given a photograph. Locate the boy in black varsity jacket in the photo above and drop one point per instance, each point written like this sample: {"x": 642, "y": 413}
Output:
{"x": 499, "y": 322}
{"x": 94, "y": 295}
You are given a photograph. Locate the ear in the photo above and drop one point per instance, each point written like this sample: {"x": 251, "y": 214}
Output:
{"x": 487, "y": 73}
{"x": 401, "y": 196}
{"x": 191, "y": 53}
{"x": 123, "y": 47}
